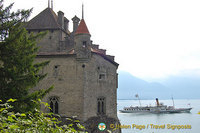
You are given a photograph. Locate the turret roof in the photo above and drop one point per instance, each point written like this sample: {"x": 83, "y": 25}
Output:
{"x": 82, "y": 28}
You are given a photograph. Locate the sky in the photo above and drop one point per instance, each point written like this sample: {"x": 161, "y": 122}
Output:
{"x": 151, "y": 39}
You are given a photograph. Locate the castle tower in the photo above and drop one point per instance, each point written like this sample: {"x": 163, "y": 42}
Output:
{"x": 82, "y": 41}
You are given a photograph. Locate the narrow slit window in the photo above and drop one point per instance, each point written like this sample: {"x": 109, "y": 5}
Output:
{"x": 56, "y": 107}
{"x": 84, "y": 44}
{"x": 102, "y": 108}
{"x": 56, "y": 70}
{"x": 99, "y": 106}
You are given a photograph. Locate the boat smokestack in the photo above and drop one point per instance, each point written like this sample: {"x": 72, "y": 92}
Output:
{"x": 157, "y": 102}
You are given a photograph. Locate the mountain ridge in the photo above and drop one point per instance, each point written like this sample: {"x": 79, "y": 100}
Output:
{"x": 130, "y": 85}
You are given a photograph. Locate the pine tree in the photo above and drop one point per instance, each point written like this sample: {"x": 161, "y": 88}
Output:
{"x": 18, "y": 71}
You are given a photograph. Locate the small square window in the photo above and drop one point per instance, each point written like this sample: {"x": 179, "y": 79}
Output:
{"x": 102, "y": 76}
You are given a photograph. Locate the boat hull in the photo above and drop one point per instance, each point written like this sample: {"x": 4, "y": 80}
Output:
{"x": 179, "y": 110}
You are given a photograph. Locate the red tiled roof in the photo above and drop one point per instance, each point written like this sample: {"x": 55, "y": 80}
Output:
{"x": 82, "y": 28}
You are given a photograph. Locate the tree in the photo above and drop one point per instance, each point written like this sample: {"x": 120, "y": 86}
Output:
{"x": 18, "y": 72}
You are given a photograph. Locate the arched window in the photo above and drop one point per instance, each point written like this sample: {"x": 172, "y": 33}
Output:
{"x": 54, "y": 105}
{"x": 101, "y": 105}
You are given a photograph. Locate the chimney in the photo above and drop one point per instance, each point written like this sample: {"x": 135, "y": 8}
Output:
{"x": 157, "y": 102}
{"x": 75, "y": 20}
{"x": 66, "y": 23}
{"x": 61, "y": 19}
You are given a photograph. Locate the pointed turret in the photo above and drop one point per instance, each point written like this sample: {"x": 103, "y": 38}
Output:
{"x": 82, "y": 28}
{"x": 82, "y": 40}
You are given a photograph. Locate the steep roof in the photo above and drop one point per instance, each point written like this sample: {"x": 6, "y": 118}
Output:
{"x": 47, "y": 19}
{"x": 82, "y": 28}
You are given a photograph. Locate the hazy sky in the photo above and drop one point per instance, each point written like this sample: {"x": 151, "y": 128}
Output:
{"x": 149, "y": 38}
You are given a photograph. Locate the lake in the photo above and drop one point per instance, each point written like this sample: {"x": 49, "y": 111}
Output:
{"x": 160, "y": 123}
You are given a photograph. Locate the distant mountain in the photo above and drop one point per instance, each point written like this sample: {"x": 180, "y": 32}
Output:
{"x": 181, "y": 87}
{"x": 184, "y": 86}
{"x": 130, "y": 85}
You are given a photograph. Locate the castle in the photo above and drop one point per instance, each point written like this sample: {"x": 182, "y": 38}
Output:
{"x": 85, "y": 78}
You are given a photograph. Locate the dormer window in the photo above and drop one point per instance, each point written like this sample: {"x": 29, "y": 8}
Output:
{"x": 84, "y": 44}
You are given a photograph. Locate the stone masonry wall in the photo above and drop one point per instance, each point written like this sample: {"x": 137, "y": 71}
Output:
{"x": 67, "y": 82}
{"x": 50, "y": 42}
{"x": 95, "y": 87}
{"x": 78, "y": 86}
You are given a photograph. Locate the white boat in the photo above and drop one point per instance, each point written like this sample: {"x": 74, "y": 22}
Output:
{"x": 159, "y": 108}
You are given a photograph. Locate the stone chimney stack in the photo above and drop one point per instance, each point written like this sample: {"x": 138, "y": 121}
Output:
{"x": 66, "y": 23}
{"x": 75, "y": 20}
{"x": 61, "y": 19}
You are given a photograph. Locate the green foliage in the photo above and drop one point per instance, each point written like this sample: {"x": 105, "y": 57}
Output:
{"x": 30, "y": 122}
{"x": 8, "y": 19}
{"x": 18, "y": 72}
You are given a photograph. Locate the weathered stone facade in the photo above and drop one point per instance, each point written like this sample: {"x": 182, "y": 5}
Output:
{"x": 84, "y": 76}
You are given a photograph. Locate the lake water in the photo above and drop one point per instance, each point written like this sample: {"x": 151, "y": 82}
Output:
{"x": 166, "y": 121}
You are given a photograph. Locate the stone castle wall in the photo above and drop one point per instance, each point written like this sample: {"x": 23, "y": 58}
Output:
{"x": 95, "y": 87}
{"x": 67, "y": 84}
{"x": 52, "y": 41}
{"x": 78, "y": 86}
